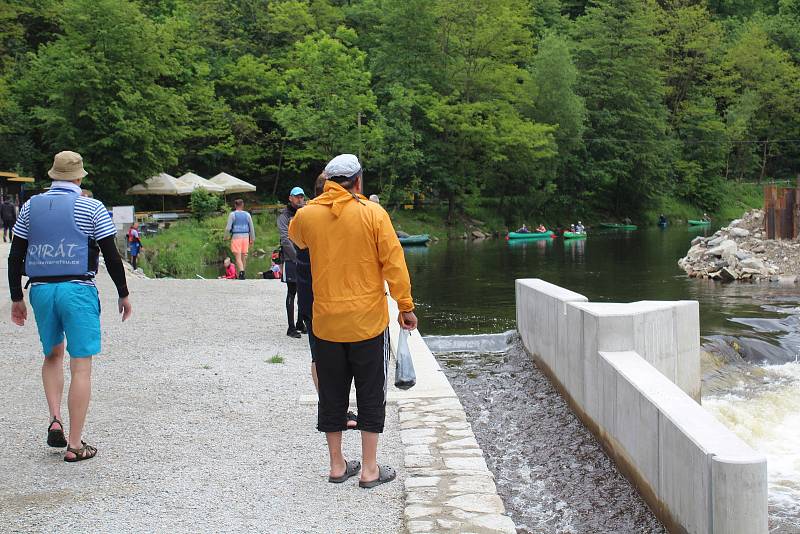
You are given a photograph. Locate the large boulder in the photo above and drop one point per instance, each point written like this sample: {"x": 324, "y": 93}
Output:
{"x": 696, "y": 252}
{"x": 724, "y": 248}
{"x": 754, "y": 263}
{"x": 715, "y": 241}
{"x": 728, "y": 275}
{"x": 739, "y": 232}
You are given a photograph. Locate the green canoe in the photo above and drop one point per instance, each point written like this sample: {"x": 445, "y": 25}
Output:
{"x": 573, "y": 235}
{"x": 700, "y": 222}
{"x": 531, "y": 235}
{"x": 618, "y": 226}
{"x": 420, "y": 239}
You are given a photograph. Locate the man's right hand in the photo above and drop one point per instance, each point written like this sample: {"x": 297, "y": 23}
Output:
{"x": 407, "y": 320}
{"x": 125, "y": 308}
{"x": 19, "y": 312}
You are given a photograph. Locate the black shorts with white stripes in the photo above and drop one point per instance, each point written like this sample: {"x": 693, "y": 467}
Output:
{"x": 338, "y": 364}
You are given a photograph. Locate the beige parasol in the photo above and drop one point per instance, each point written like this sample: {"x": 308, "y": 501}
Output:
{"x": 232, "y": 184}
{"x": 198, "y": 182}
{"x": 161, "y": 184}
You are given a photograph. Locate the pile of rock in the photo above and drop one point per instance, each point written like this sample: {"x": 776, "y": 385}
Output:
{"x": 739, "y": 251}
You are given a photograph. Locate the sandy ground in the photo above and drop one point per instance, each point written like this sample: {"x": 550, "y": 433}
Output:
{"x": 196, "y": 430}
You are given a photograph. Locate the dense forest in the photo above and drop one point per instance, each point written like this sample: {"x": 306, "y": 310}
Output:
{"x": 526, "y": 105}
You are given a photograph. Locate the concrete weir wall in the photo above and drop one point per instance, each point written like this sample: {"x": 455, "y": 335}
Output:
{"x": 632, "y": 374}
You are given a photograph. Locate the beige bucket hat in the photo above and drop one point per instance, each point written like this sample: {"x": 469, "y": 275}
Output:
{"x": 67, "y": 165}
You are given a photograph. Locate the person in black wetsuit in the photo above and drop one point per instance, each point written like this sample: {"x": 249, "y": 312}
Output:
{"x": 297, "y": 199}
{"x": 8, "y": 214}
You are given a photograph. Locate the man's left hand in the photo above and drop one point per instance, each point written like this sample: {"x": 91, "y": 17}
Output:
{"x": 407, "y": 320}
{"x": 19, "y": 313}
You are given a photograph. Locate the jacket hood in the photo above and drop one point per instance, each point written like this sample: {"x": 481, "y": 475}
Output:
{"x": 336, "y": 196}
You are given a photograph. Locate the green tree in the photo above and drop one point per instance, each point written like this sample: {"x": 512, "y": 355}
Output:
{"x": 764, "y": 74}
{"x": 782, "y": 28}
{"x": 693, "y": 48}
{"x": 253, "y": 89}
{"x": 478, "y": 136}
{"x": 618, "y": 56}
{"x": 96, "y": 90}
{"x": 700, "y": 162}
{"x": 16, "y": 149}
{"x": 329, "y": 104}
{"x": 555, "y": 102}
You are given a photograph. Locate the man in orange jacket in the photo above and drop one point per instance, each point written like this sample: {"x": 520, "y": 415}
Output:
{"x": 353, "y": 248}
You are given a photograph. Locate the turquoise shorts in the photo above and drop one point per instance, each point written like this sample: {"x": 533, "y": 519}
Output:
{"x": 71, "y": 309}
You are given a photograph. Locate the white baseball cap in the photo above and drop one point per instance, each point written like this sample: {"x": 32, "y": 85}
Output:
{"x": 343, "y": 167}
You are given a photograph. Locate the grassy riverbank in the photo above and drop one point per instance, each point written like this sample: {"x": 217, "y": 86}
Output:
{"x": 187, "y": 246}
{"x": 736, "y": 199}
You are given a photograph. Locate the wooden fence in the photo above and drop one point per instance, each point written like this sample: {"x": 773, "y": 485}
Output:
{"x": 782, "y": 211}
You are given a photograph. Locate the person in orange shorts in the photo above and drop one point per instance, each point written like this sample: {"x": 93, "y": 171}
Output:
{"x": 243, "y": 235}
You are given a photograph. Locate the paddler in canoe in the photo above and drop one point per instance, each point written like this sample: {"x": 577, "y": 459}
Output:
{"x": 524, "y": 229}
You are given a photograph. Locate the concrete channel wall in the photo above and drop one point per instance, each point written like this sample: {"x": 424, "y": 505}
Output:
{"x": 631, "y": 372}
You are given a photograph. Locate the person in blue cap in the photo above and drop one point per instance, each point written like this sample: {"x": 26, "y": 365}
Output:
{"x": 297, "y": 199}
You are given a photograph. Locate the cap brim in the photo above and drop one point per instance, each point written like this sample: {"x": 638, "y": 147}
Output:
{"x": 57, "y": 175}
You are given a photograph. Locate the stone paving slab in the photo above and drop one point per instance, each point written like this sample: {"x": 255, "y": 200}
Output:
{"x": 448, "y": 486}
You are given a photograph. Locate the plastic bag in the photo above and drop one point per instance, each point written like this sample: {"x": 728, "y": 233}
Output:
{"x": 404, "y": 375}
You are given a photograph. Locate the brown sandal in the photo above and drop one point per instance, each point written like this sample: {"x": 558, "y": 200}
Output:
{"x": 55, "y": 436}
{"x": 84, "y": 453}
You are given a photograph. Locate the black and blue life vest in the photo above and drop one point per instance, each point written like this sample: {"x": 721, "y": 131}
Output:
{"x": 58, "y": 250}
{"x": 241, "y": 224}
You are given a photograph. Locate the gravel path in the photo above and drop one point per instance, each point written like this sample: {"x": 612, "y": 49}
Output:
{"x": 196, "y": 430}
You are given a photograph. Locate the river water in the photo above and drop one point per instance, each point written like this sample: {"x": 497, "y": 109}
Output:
{"x": 751, "y": 333}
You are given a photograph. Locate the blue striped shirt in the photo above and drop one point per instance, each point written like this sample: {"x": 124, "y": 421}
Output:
{"x": 91, "y": 217}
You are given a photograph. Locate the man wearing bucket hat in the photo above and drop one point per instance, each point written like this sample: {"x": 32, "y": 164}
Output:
{"x": 353, "y": 249}
{"x": 57, "y": 241}
{"x": 297, "y": 198}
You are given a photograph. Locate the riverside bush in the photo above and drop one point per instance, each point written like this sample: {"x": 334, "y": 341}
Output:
{"x": 204, "y": 203}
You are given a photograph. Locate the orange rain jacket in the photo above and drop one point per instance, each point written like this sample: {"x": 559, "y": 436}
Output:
{"x": 353, "y": 248}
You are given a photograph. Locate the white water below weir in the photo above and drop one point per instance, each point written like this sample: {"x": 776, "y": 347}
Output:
{"x": 768, "y": 419}
{"x": 631, "y": 372}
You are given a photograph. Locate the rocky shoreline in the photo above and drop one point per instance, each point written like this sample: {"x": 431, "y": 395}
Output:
{"x": 740, "y": 251}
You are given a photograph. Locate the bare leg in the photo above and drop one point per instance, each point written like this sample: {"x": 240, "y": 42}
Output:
{"x": 53, "y": 380}
{"x": 237, "y": 256}
{"x": 244, "y": 262}
{"x": 80, "y": 391}
{"x": 338, "y": 465}
{"x": 314, "y": 376}
{"x": 369, "y": 456}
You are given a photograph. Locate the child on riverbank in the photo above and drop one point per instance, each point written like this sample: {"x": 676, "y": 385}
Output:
{"x": 134, "y": 244}
{"x": 230, "y": 270}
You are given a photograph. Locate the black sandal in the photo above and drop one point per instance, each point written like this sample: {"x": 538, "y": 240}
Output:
{"x": 55, "y": 436}
{"x": 385, "y": 474}
{"x": 86, "y": 452}
{"x": 351, "y": 469}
